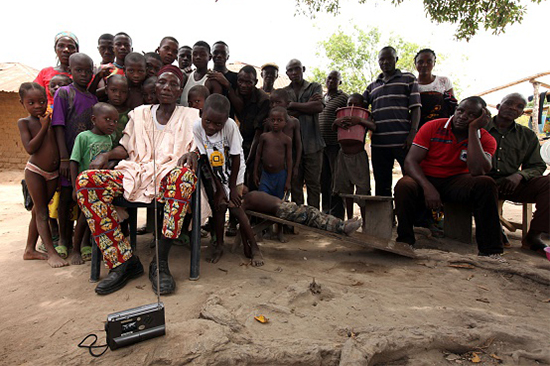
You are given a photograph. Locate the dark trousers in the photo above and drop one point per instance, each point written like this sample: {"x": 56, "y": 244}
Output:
{"x": 332, "y": 203}
{"x": 535, "y": 190}
{"x": 309, "y": 172}
{"x": 480, "y": 192}
{"x": 382, "y": 165}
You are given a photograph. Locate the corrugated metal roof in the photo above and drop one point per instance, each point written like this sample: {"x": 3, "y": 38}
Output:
{"x": 280, "y": 82}
{"x": 13, "y": 74}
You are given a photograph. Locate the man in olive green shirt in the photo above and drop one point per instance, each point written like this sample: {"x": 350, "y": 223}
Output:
{"x": 519, "y": 147}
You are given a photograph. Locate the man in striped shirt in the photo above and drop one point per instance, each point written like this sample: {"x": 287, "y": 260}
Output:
{"x": 333, "y": 99}
{"x": 395, "y": 106}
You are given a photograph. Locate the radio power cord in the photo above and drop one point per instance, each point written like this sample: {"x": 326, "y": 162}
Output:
{"x": 92, "y": 345}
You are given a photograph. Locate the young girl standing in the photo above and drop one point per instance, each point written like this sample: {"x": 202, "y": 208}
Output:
{"x": 41, "y": 171}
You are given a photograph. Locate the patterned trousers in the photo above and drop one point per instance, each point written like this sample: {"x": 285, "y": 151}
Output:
{"x": 96, "y": 190}
{"x": 310, "y": 216}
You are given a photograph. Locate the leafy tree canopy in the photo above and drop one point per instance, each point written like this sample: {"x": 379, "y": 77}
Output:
{"x": 469, "y": 15}
{"x": 355, "y": 55}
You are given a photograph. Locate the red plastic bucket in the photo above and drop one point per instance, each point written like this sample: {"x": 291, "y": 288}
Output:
{"x": 356, "y": 132}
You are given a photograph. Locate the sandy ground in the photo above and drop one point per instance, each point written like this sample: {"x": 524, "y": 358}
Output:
{"x": 367, "y": 307}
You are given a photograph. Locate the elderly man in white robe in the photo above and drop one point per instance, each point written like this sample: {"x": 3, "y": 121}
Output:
{"x": 157, "y": 154}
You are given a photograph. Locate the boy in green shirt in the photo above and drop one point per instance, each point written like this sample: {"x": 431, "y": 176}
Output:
{"x": 87, "y": 146}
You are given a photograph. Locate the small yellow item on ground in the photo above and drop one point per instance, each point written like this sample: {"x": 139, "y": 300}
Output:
{"x": 262, "y": 319}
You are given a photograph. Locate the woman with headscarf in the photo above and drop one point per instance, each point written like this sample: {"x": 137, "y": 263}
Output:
{"x": 65, "y": 44}
{"x": 156, "y": 144}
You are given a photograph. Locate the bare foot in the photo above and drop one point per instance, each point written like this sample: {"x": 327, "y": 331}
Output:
{"x": 55, "y": 261}
{"x": 281, "y": 237}
{"x": 215, "y": 254}
{"x": 350, "y": 226}
{"x": 257, "y": 259}
{"x": 75, "y": 258}
{"x": 34, "y": 254}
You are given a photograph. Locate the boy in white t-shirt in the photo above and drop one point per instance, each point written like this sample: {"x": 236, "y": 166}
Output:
{"x": 218, "y": 137}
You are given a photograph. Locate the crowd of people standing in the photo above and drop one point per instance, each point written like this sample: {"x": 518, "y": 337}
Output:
{"x": 135, "y": 126}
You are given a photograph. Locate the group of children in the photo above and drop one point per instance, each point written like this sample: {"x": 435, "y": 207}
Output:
{"x": 88, "y": 116}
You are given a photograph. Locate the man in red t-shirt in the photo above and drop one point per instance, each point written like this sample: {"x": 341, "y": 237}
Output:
{"x": 447, "y": 163}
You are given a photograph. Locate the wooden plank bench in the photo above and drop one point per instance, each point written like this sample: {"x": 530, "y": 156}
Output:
{"x": 378, "y": 213}
{"x": 458, "y": 221}
{"x": 526, "y": 216}
{"x": 359, "y": 238}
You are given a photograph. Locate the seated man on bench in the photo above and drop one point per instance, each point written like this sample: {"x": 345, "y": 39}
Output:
{"x": 447, "y": 163}
{"x": 518, "y": 146}
{"x": 306, "y": 215}
{"x": 156, "y": 145}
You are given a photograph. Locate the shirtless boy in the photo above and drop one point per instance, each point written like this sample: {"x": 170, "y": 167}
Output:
{"x": 279, "y": 98}
{"x": 275, "y": 154}
{"x": 136, "y": 72}
{"x": 352, "y": 162}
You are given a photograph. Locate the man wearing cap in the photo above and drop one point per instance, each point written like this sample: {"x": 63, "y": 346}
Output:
{"x": 270, "y": 73}
{"x": 156, "y": 144}
{"x": 306, "y": 104}
{"x": 518, "y": 147}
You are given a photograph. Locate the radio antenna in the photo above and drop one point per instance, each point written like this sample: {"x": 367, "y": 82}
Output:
{"x": 156, "y": 208}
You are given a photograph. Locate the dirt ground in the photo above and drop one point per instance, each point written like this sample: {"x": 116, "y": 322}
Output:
{"x": 366, "y": 307}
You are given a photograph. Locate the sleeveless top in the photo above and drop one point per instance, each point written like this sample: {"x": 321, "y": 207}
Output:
{"x": 191, "y": 82}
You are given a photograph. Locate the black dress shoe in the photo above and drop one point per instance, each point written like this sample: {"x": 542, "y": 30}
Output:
{"x": 119, "y": 276}
{"x": 167, "y": 283}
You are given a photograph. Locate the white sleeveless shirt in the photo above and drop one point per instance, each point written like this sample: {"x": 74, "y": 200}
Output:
{"x": 191, "y": 82}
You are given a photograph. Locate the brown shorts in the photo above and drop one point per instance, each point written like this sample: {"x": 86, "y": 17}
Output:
{"x": 352, "y": 174}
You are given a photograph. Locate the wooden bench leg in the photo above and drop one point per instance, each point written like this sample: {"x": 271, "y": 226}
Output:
{"x": 379, "y": 217}
{"x": 458, "y": 222}
{"x": 132, "y": 223}
{"x": 96, "y": 260}
{"x": 527, "y": 216}
{"x": 194, "y": 267}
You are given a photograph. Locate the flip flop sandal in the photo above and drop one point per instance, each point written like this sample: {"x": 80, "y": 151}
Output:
{"x": 86, "y": 253}
{"x": 62, "y": 251}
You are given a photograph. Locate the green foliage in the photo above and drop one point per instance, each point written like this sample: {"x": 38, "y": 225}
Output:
{"x": 356, "y": 57}
{"x": 469, "y": 15}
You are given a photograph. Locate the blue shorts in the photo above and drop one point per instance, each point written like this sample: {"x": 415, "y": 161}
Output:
{"x": 273, "y": 183}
